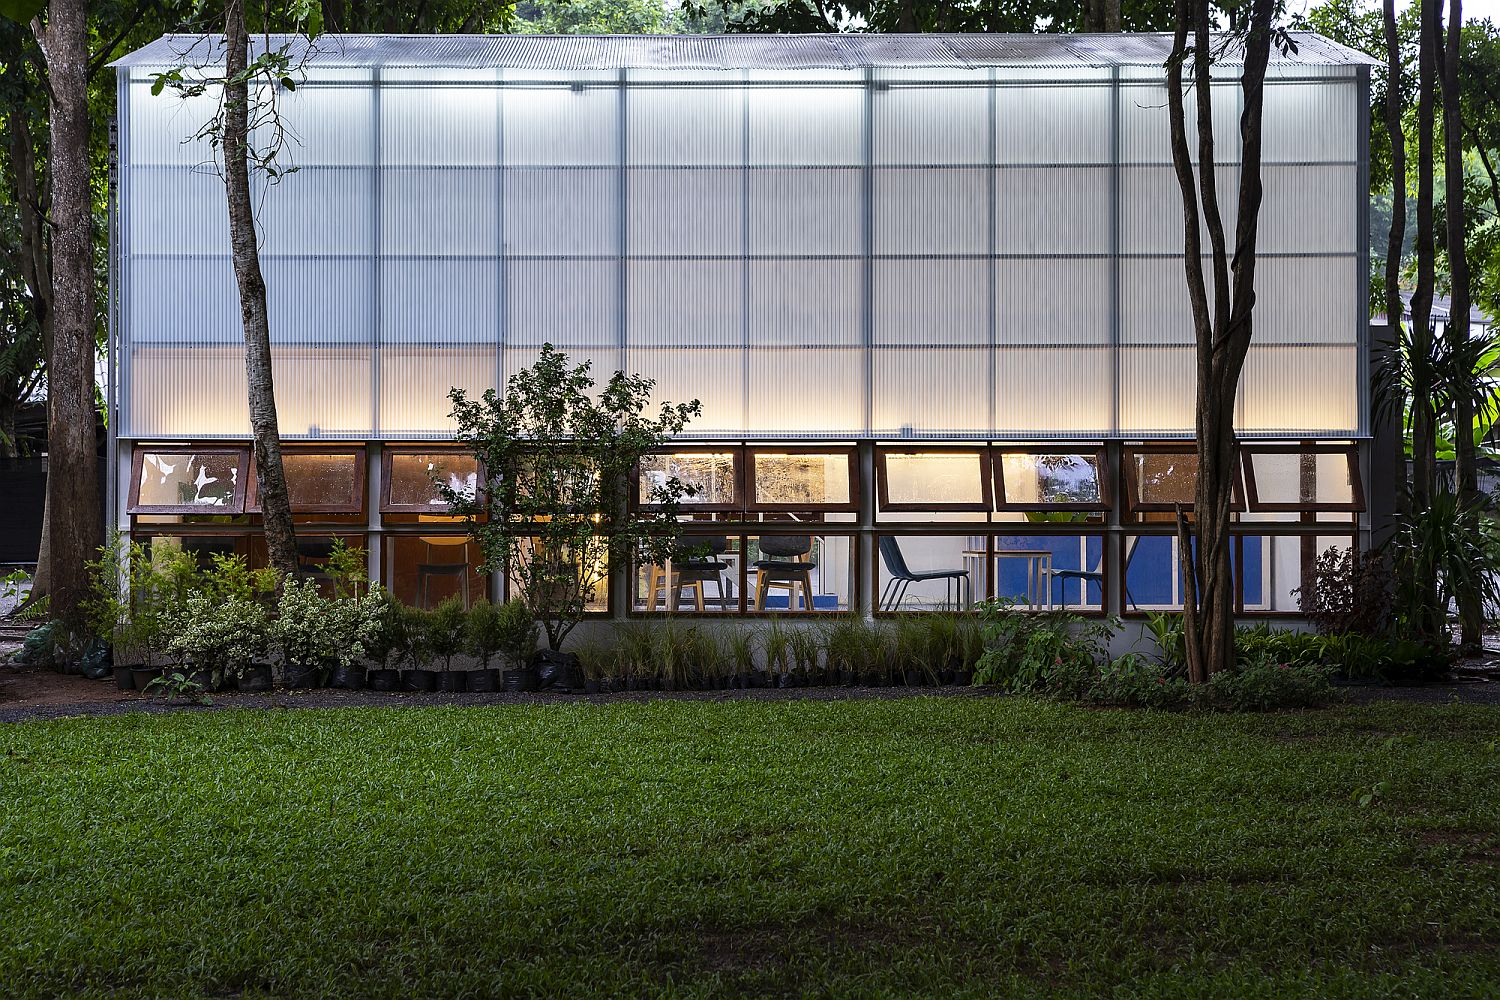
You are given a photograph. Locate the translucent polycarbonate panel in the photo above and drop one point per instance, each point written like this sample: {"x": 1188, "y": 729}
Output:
{"x": 559, "y": 125}
{"x": 1145, "y": 127}
{"x": 806, "y": 211}
{"x": 322, "y": 125}
{"x": 1309, "y": 478}
{"x": 603, "y": 361}
{"x": 1157, "y": 386}
{"x": 1151, "y": 209}
{"x": 318, "y": 210}
{"x": 919, "y": 125}
{"x": 1154, "y": 303}
{"x": 440, "y": 301}
{"x": 805, "y": 302}
{"x": 806, "y": 125}
{"x": 708, "y": 477}
{"x": 1046, "y": 479}
{"x": 190, "y": 479}
{"x": 715, "y": 377}
{"x": 446, "y": 212}
{"x": 922, "y": 302}
{"x": 563, "y": 302}
{"x": 688, "y": 303}
{"x": 1300, "y": 390}
{"x": 320, "y": 300}
{"x": 799, "y": 478}
{"x": 1053, "y": 391}
{"x": 322, "y": 392}
{"x": 1302, "y": 300}
{"x": 1276, "y": 569}
{"x": 685, "y": 125}
{"x": 1052, "y": 125}
{"x": 818, "y": 391}
{"x": 1052, "y": 301}
{"x": 1045, "y": 210}
{"x": 187, "y": 392}
{"x": 933, "y": 477}
{"x": 166, "y": 127}
{"x": 561, "y": 212}
{"x": 442, "y": 126}
{"x": 176, "y": 210}
{"x": 1315, "y": 122}
{"x": 1309, "y": 209}
{"x": 930, "y": 211}
{"x": 684, "y": 212}
{"x": 957, "y": 559}
{"x": 414, "y": 385}
{"x": 183, "y": 300}
{"x": 930, "y": 391}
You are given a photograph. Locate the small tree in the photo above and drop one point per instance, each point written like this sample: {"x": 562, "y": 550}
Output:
{"x": 555, "y": 512}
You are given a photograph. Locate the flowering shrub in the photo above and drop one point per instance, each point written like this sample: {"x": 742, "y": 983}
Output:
{"x": 227, "y": 633}
{"x": 313, "y": 632}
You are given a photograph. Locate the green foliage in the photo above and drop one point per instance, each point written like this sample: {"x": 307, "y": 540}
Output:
{"x": 740, "y": 650}
{"x": 1446, "y": 549}
{"x": 776, "y": 645}
{"x": 560, "y": 454}
{"x": 316, "y": 632}
{"x": 409, "y": 636}
{"x": 447, "y": 630}
{"x": 515, "y": 633}
{"x": 1264, "y": 685}
{"x": 1137, "y": 681}
{"x": 1351, "y": 591}
{"x": 1047, "y": 652}
{"x": 349, "y": 568}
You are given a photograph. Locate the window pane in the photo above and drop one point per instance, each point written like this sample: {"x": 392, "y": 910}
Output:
{"x": 1038, "y": 572}
{"x": 799, "y": 573}
{"x": 568, "y": 569}
{"x": 709, "y": 476}
{"x": 801, "y": 479}
{"x": 1163, "y": 478}
{"x": 315, "y": 480}
{"x": 188, "y": 479}
{"x": 936, "y": 478}
{"x": 425, "y": 570}
{"x": 702, "y": 577}
{"x": 930, "y": 572}
{"x": 414, "y": 478}
{"x": 1277, "y": 567}
{"x": 1305, "y": 479}
{"x": 1051, "y": 478}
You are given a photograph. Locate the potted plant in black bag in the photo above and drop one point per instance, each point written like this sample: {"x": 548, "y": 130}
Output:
{"x": 516, "y": 630}
{"x": 482, "y": 641}
{"x": 384, "y": 645}
{"x": 447, "y": 634}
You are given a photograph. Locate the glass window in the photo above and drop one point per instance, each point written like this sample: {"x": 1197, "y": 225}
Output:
{"x": 1061, "y": 480}
{"x": 201, "y": 547}
{"x": 1040, "y": 572}
{"x": 1277, "y": 569}
{"x": 710, "y": 478}
{"x": 319, "y": 481}
{"x": 189, "y": 480}
{"x": 411, "y": 478}
{"x": 798, "y": 480}
{"x": 424, "y": 570}
{"x": 930, "y": 572}
{"x": 799, "y": 573}
{"x": 1303, "y": 479}
{"x": 933, "y": 480}
{"x": 561, "y": 567}
{"x": 703, "y": 576}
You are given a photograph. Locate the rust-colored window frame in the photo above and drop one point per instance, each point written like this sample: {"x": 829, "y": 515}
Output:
{"x": 252, "y": 495}
{"x": 882, "y": 485}
{"x": 688, "y": 506}
{"x": 236, "y": 505}
{"x": 849, "y": 451}
{"x": 387, "y": 455}
{"x": 1101, "y": 467}
{"x": 1127, "y": 475}
{"x": 1255, "y": 504}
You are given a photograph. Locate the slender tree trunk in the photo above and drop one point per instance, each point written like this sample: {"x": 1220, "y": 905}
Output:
{"x": 72, "y": 468}
{"x": 1423, "y": 374}
{"x": 1395, "y": 309}
{"x": 1471, "y": 614}
{"x": 276, "y": 513}
{"x": 1222, "y": 329}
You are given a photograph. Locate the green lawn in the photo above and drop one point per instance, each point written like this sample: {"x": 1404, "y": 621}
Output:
{"x": 925, "y": 846}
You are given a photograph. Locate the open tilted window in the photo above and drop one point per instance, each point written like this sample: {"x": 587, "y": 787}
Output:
{"x": 410, "y": 482}
{"x": 801, "y": 479}
{"x": 1158, "y": 478}
{"x": 1051, "y": 479}
{"x": 183, "y": 480}
{"x": 319, "y": 481}
{"x": 933, "y": 479}
{"x": 1306, "y": 478}
{"x": 712, "y": 477}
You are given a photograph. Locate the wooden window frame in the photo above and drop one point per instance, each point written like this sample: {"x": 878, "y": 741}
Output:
{"x": 1101, "y": 467}
{"x": 252, "y": 496}
{"x": 236, "y": 505}
{"x": 388, "y": 455}
{"x": 1127, "y": 475}
{"x": 882, "y": 485}
{"x": 1254, "y": 503}
{"x": 849, "y": 451}
{"x": 738, "y": 504}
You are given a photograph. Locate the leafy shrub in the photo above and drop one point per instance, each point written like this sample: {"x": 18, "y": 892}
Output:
{"x": 515, "y": 633}
{"x": 313, "y": 632}
{"x": 1264, "y": 685}
{"x": 447, "y": 630}
{"x": 227, "y": 633}
{"x": 1053, "y": 652}
{"x": 1135, "y": 680}
{"x": 1350, "y": 591}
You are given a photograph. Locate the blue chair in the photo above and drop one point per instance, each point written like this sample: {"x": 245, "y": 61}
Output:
{"x": 903, "y": 576}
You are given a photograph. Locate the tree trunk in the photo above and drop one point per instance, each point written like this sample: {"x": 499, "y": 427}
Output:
{"x": 276, "y": 513}
{"x": 1395, "y": 309}
{"x": 1222, "y": 331}
{"x": 73, "y": 511}
{"x": 1471, "y": 614}
{"x": 1423, "y": 375}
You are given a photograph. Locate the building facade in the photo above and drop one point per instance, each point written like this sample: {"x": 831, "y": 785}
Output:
{"x": 929, "y": 290}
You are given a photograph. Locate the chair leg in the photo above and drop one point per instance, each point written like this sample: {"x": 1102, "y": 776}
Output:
{"x": 886, "y": 593}
{"x": 760, "y": 590}
{"x": 807, "y": 593}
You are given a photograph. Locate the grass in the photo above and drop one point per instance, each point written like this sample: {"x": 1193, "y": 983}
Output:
{"x": 925, "y": 846}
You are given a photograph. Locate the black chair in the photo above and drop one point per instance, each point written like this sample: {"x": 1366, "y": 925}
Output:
{"x": 903, "y": 576}
{"x": 785, "y": 569}
{"x": 1095, "y": 576}
{"x": 692, "y": 568}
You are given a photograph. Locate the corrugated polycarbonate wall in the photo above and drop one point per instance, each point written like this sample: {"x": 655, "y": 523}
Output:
{"x": 936, "y": 253}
